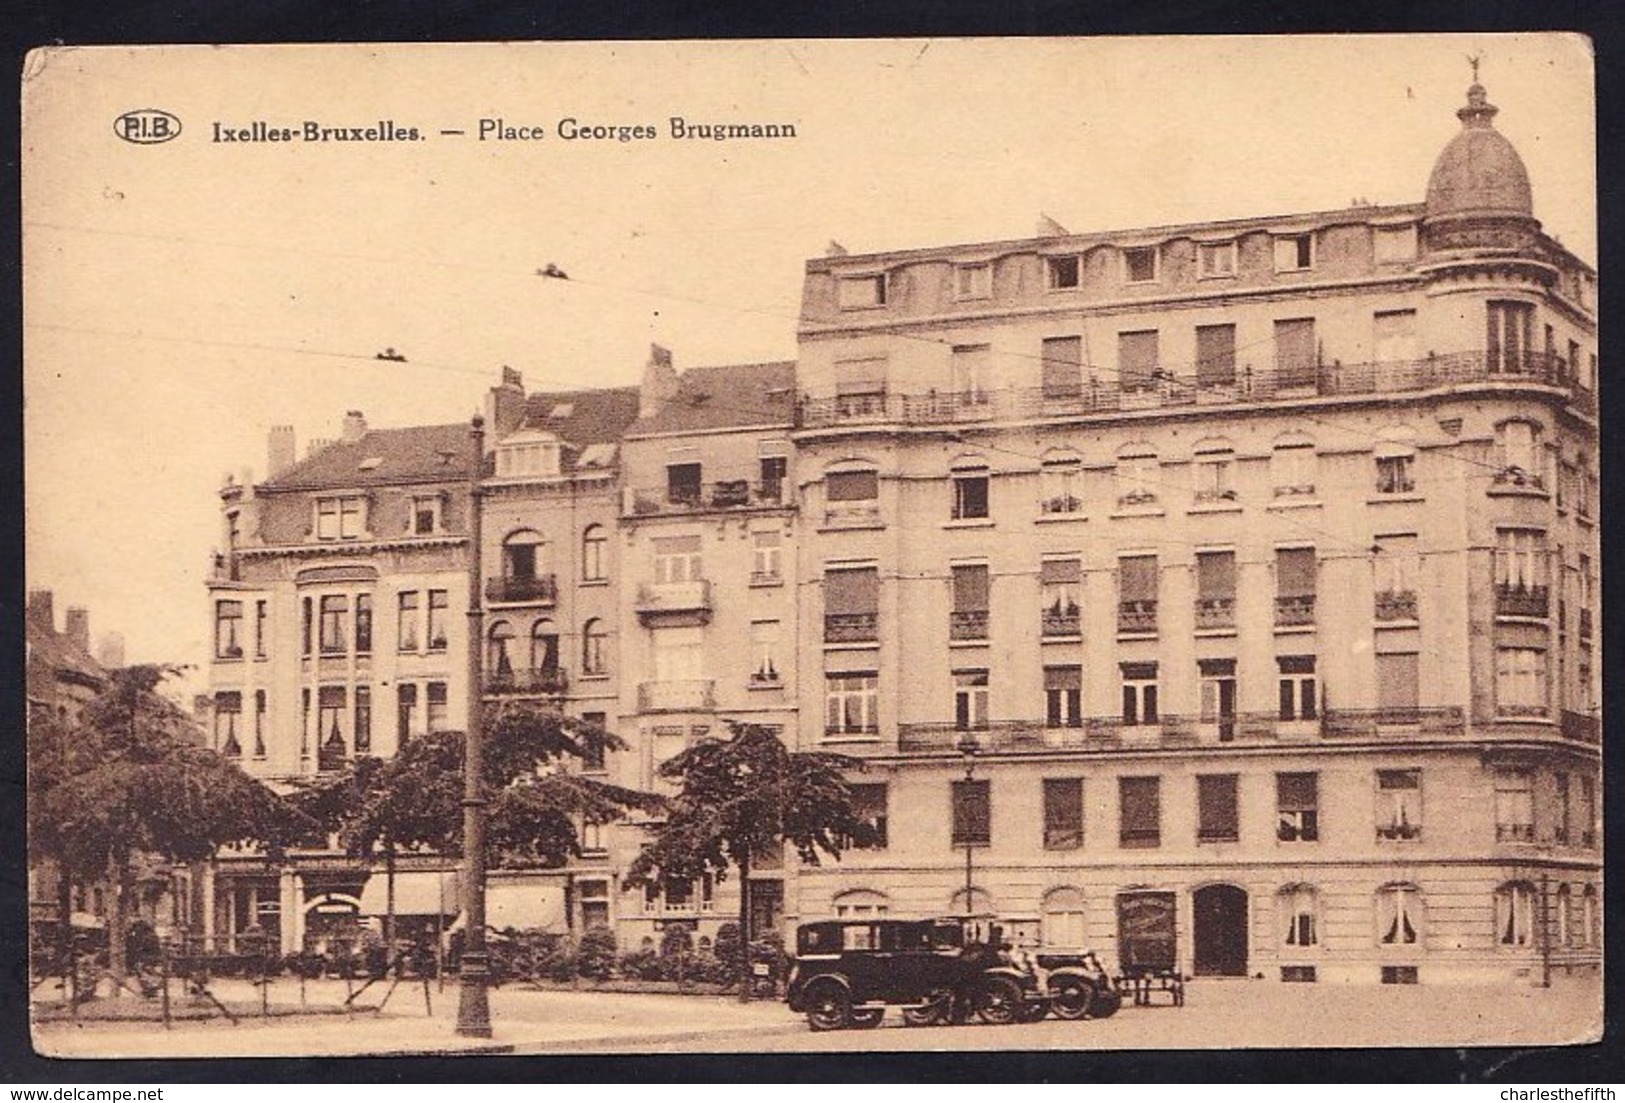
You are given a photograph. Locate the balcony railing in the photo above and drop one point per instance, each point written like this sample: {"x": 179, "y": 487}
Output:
{"x": 1521, "y": 601}
{"x": 1061, "y": 622}
{"x": 674, "y": 597}
{"x": 520, "y": 682}
{"x": 1137, "y": 616}
{"x": 1580, "y": 727}
{"x": 851, "y": 627}
{"x": 967, "y": 624}
{"x": 1161, "y": 388}
{"x": 724, "y": 494}
{"x": 1215, "y": 612}
{"x": 538, "y": 589}
{"x": 688, "y": 695}
{"x": 1514, "y": 832}
{"x": 1424, "y": 722}
{"x": 1395, "y": 605}
{"x": 852, "y": 515}
{"x": 1295, "y": 610}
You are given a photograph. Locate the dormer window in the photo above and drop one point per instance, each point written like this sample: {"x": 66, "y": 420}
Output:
{"x": 973, "y": 281}
{"x": 341, "y": 517}
{"x": 528, "y": 453}
{"x": 1140, "y": 264}
{"x": 425, "y": 514}
{"x": 1395, "y": 244}
{"x": 860, "y": 292}
{"x": 1295, "y": 253}
{"x": 1064, "y": 273}
{"x": 1215, "y": 260}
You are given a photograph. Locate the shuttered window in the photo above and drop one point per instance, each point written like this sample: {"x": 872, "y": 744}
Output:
{"x": 1295, "y": 572}
{"x": 1139, "y": 811}
{"x": 852, "y": 591}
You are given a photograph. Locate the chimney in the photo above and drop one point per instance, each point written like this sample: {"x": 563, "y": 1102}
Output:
{"x": 504, "y": 407}
{"x": 40, "y": 609}
{"x": 316, "y": 446}
{"x": 279, "y": 451}
{"x": 355, "y": 426}
{"x": 110, "y": 651}
{"x": 659, "y": 382}
{"x": 77, "y": 627}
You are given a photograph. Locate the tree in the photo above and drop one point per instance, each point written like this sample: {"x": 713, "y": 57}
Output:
{"x": 128, "y": 778}
{"x": 741, "y": 797}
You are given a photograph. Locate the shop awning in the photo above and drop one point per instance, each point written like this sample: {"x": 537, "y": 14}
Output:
{"x": 417, "y": 892}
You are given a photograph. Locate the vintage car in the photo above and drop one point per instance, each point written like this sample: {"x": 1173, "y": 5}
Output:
{"x": 1078, "y": 985}
{"x": 848, "y": 971}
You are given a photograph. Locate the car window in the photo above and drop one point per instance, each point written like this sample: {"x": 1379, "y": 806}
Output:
{"x": 858, "y": 938}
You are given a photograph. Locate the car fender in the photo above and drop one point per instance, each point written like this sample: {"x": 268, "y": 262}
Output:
{"x": 799, "y": 1000}
{"x": 1024, "y": 980}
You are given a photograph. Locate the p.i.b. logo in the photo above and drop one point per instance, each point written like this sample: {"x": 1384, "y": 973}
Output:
{"x": 147, "y": 126}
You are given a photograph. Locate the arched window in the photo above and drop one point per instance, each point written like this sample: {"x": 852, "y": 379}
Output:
{"x": 1395, "y": 457}
{"x": 1292, "y": 466}
{"x": 1064, "y": 918}
{"x": 499, "y": 655}
{"x": 1299, "y": 914}
{"x": 1563, "y": 921}
{"x": 981, "y": 903}
{"x": 861, "y": 904}
{"x": 1590, "y": 932}
{"x": 594, "y": 554}
{"x": 1138, "y": 475}
{"x": 1399, "y": 915}
{"x": 594, "y": 647}
{"x": 1515, "y": 914}
{"x": 544, "y": 647}
{"x": 524, "y": 567}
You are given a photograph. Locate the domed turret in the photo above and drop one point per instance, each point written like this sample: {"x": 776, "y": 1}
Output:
{"x": 1479, "y": 174}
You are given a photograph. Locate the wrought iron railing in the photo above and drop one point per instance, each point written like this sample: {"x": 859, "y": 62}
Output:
{"x": 967, "y": 624}
{"x": 723, "y": 494}
{"x": 1215, "y": 612}
{"x": 851, "y": 627}
{"x": 536, "y": 588}
{"x": 674, "y": 597}
{"x": 1295, "y": 610}
{"x": 1521, "y": 601}
{"x": 1395, "y": 605}
{"x": 690, "y": 694}
{"x": 1137, "y": 616}
{"x": 1061, "y": 622}
{"x": 503, "y": 682}
{"x": 1423, "y": 722}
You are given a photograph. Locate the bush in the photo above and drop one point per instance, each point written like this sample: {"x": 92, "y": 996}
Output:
{"x": 710, "y": 969}
{"x": 595, "y": 954}
{"x": 641, "y": 965}
{"x": 677, "y": 941}
{"x": 729, "y": 944}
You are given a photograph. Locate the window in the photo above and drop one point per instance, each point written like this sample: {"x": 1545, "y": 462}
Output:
{"x": 677, "y": 559}
{"x": 1062, "y": 369}
{"x": 1137, "y": 361}
{"x": 1399, "y": 804}
{"x": 1564, "y": 808}
{"x": 1509, "y": 337}
{"x": 1137, "y": 578}
{"x": 594, "y": 897}
{"x": 594, "y": 554}
{"x": 972, "y": 813}
{"x": 1218, "y": 689}
{"x": 435, "y": 714}
{"x": 304, "y": 722}
{"x": 261, "y": 626}
{"x": 851, "y": 486}
{"x": 1399, "y": 915}
{"x": 973, "y": 281}
{"x": 1300, "y": 907}
{"x": 1063, "y": 813}
{"x": 968, "y": 618}
{"x": 861, "y": 904}
{"x": 228, "y": 708}
{"x": 1215, "y": 590}
{"x": 1295, "y": 571}
{"x": 363, "y": 624}
{"x": 340, "y": 518}
{"x": 1217, "y": 810}
{"x": 1398, "y": 686}
{"x": 531, "y": 453}
{"x": 407, "y": 622}
{"x": 1396, "y": 565}
{"x": 1293, "y": 468}
{"x": 592, "y": 736}
{"x": 683, "y": 484}
{"x": 1297, "y": 807}
{"x": 1514, "y": 914}
{"x": 869, "y": 806}
{"x": 1139, "y": 802}
{"x": 851, "y": 605}
{"x": 1393, "y": 346}
{"x": 1298, "y": 694}
{"x": 1514, "y": 806}
{"x": 594, "y": 648}
{"x": 1590, "y": 918}
{"x": 1588, "y": 810}
{"x": 1140, "y": 264}
{"x": 1213, "y": 467}
{"x": 228, "y": 629}
{"x": 859, "y": 292}
{"x": 765, "y": 556}
{"x": 1059, "y": 581}
{"x": 1215, "y": 259}
{"x": 1396, "y": 472}
{"x": 1519, "y": 455}
{"x": 499, "y": 650}
{"x": 1297, "y": 357}
{"x": 860, "y": 387}
{"x": 439, "y": 604}
{"x": 425, "y": 514}
{"x": 1215, "y": 356}
{"x": 1564, "y": 918}
{"x": 1063, "y": 696}
{"x": 970, "y": 700}
{"x": 1139, "y": 693}
{"x": 1136, "y": 477}
{"x": 1395, "y": 244}
{"x": 1520, "y": 681}
{"x": 851, "y": 704}
{"x": 970, "y": 494}
{"x": 544, "y": 651}
{"x": 406, "y": 706}
{"x": 764, "y": 645}
{"x": 331, "y": 703}
{"x": 335, "y": 612}
{"x": 1520, "y": 572}
{"x": 1295, "y": 253}
{"x": 259, "y": 722}
{"x": 1059, "y": 480}
{"x": 363, "y": 720}
{"x": 1064, "y": 918}
{"x": 1064, "y": 272}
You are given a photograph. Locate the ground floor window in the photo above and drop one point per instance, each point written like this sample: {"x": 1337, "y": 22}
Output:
{"x": 1399, "y": 915}
{"x": 1514, "y": 914}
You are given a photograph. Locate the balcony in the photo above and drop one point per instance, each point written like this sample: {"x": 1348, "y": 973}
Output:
{"x": 1061, "y": 622}
{"x": 1514, "y": 832}
{"x": 1215, "y": 612}
{"x": 688, "y": 695}
{"x": 1428, "y": 722}
{"x": 1521, "y": 601}
{"x": 851, "y": 627}
{"x": 1294, "y": 611}
{"x": 852, "y": 515}
{"x": 658, "y": 598}
{"x": 539, "y": 589}
{"x": 1167, "y": 389}
{"x": 967, "y": 624}
{"x": 724, "y": 495}
{"x": 1395, "y": 605}
{"x": 1137, "y": 616}
{"x": 525, "y": 683}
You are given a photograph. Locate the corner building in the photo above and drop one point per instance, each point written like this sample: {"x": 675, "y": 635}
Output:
{"x": 1221, "y": 596}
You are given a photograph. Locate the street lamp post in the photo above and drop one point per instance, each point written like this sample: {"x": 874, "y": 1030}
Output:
{"x": 968, "y": 748}
{"x": 474, "y": 997}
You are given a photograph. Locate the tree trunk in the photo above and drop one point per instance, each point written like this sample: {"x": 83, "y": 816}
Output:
{"x": 744, "y": 928}
{"x": 117, "y": 874}
{"x": 64, "y": 932}
{"x": 389, "y": 897}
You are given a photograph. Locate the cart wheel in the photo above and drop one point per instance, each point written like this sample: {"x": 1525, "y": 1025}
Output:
{"x": 1071, "y": 999}
{"x": 938, "y": 1003}
{"x": 997, "y": 1001}
{"x": 868, "y": 1018}
{"x": 829, "y": 1007}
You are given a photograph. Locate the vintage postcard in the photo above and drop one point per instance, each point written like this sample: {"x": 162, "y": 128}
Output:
{"x": 813, "y": 546}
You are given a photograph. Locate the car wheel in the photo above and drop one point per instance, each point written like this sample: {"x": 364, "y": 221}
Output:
{"x": 1071, "y": 999}
{"x": 935, "y": 1009}
{"x": 1104, "y": 1005}
{"x": 997, "y": 1001}
{"x": 829, "y": 1007}
{"x": 868, "y": 1018}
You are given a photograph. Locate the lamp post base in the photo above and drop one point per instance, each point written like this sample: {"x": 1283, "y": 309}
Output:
{"x": 474, "y": 997}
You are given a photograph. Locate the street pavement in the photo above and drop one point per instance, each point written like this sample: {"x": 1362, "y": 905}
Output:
{"x": 1217, "y": 1015}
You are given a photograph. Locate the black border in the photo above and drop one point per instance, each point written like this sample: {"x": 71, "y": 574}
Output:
{"x": 86, "y": 22}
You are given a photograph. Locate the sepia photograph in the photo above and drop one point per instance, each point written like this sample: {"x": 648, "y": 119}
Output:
{"x": 812, "y": 546}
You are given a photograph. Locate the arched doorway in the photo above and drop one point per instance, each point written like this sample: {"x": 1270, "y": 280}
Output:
{"x": 1220, "y": 931}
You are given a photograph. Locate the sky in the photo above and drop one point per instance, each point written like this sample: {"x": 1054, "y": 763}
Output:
{"x": 182, "y": 298}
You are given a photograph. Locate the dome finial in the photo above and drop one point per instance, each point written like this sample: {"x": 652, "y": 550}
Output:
{"x": 1479, "y": 111}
